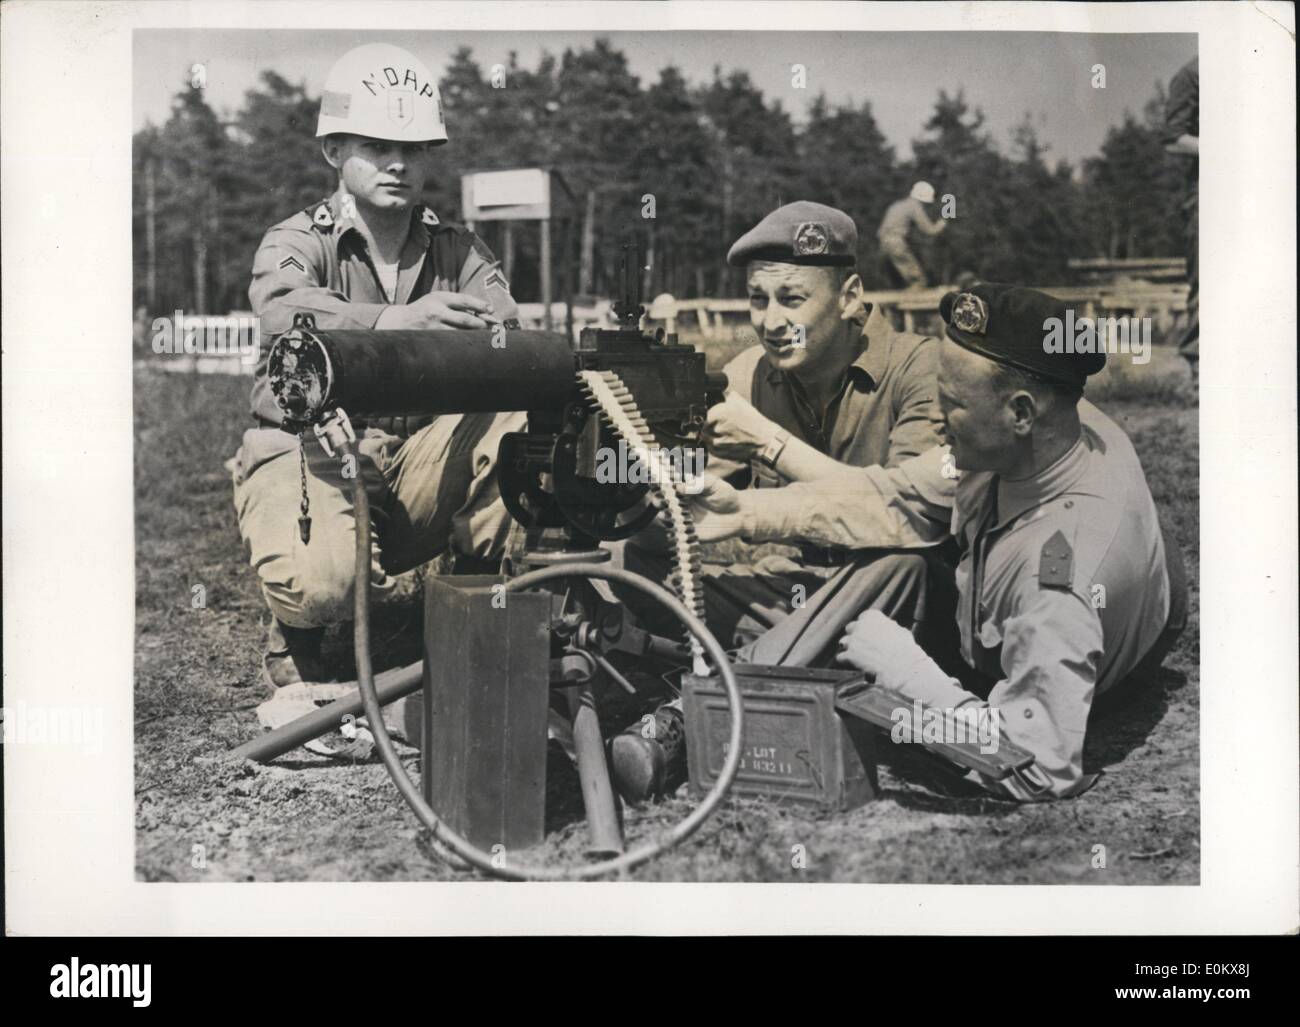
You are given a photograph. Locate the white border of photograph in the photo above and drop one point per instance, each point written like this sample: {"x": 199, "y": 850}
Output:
{"x": 68, "y": 483}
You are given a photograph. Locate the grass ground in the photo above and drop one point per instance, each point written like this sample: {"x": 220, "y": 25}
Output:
{"x": 306, "y": 818}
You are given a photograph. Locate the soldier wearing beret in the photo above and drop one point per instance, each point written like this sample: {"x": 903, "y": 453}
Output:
{"x": 1067, "y": 587}
{"x": 830, "y": 387}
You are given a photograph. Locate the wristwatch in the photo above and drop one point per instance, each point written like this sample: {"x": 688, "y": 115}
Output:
{"x": 769, "y": 454}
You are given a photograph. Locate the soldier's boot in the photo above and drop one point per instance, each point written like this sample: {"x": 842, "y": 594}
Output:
{"x": 649, "y": 758}
{"x": 293, "y": 655}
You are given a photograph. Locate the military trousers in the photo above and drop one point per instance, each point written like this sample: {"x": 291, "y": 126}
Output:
{"x": 905, "y": 269}
{"x": 432, "y": 492}
{"x": 781, "y": 610}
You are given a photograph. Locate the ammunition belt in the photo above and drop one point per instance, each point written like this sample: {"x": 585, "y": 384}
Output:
{"x": 607, "y": 393}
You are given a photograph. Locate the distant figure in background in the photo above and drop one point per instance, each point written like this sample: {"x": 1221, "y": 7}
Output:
{"x": 663, "y": 312}
{"x": 902, "y": 215}
{"x": 1182, "y": 138}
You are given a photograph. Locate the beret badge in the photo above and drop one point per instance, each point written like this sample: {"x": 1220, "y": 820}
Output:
{"x": 970, "y": 314}
{"x": 811, "y": 238}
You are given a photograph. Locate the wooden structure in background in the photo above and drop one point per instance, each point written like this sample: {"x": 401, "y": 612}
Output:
{"x": 519, "y": 194}
{"x": 1161, "y": 302}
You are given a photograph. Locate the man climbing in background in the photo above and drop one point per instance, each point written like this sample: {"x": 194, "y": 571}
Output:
{"x": 903, "y": 267}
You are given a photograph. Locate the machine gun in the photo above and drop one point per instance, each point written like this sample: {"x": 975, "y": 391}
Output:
{"x": 616, "y": 386}
{"x": 616, "y": 389}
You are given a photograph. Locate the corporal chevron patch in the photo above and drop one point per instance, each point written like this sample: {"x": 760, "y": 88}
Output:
{"x": 292, "y": 262}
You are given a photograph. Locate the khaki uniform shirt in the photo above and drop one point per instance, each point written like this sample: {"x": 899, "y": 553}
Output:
{"x": 1063, "y": 585}
{"x": 317, "y": 262}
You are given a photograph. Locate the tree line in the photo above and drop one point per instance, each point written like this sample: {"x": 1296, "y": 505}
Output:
{"x": 715, "y": 156}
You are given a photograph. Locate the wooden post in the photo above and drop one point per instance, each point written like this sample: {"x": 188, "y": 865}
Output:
{"x": 546, "y": 273}
{"x": 586, "y": 265}
{"x": 508, "y": 250}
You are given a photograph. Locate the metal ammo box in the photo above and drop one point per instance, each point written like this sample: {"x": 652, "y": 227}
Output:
{"x": 797, "y": 747}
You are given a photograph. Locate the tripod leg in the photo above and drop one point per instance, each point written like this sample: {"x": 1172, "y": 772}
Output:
{"x": 593, "y": 772}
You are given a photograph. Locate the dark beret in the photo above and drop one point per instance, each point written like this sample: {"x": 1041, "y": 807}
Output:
{"x": 1020, "y": 327}
{"x": 800, "y": 233}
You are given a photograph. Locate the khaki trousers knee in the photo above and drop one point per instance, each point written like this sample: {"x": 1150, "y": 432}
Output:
{"x": 429, "y": 493}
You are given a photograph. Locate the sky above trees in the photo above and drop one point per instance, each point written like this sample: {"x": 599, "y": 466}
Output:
{"x": 717, "y": 153}
{"x": 1044, "y": 74}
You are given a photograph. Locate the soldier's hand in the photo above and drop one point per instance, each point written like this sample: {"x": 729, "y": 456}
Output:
{"x": 883, "y": 648}
{"x": 438, "y": 310}
{"x": 736, "y": 431}
{"x": 717, "y": 508}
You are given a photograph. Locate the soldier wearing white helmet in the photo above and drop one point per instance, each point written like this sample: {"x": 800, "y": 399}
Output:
{"x": 369, "y": 256}
{"x": 902, "y": 216}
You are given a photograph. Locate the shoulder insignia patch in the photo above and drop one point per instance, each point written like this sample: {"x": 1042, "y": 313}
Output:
{"x": 1056, "y": 563}
{"x": 428, "y": 216}
{"x": 292, "y": 261}
{"x": 496, "y": 278}
{"x": 322, "y": 218}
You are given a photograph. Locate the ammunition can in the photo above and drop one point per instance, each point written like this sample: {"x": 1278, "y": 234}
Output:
{"x": 797, "y": 747}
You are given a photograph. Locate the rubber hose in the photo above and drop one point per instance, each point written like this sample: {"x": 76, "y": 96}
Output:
{"x": 452, "y": 847}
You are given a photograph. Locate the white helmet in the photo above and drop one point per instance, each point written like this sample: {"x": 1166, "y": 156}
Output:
{"x": 923, "y": 191}
{"x": 662, "y": 307}
{"x": 384, "y": 92}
